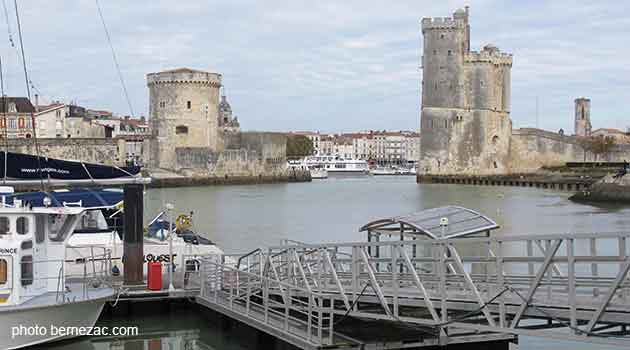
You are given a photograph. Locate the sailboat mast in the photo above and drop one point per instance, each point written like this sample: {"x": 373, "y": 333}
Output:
{"x": 4, "y": 116}
{"x": 28, "y": 92}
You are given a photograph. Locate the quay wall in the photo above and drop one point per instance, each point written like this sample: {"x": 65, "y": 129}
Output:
{"x": 531, "y": 149}
{"x": 554, "y": 182}
{"x": 110, "y": 151}
{"x": 183, "y": 181}
{"x": 247, "y": 154}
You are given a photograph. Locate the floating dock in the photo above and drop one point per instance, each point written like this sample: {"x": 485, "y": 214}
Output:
{"x": 452, "y": 291}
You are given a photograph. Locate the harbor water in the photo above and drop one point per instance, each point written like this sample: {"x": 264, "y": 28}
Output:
{"x": 242, "y": 218}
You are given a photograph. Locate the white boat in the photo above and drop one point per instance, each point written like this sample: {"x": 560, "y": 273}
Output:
{"x": 38, "y": 294}
{"x": 186, "y": 245}
{"x": 337, "y": 165}
{"x": 318, "y": 173}
{"x": 383, "y": 171}
{"x": 98, "y": 227}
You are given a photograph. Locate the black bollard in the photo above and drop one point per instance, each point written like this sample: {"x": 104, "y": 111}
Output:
{"x": 133, "y": 255}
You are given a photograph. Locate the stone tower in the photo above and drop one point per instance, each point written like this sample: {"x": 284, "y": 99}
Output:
{"x": 583, "y": 117}
{"x": 465, "y": 124}
{"x": 183, "y": 107}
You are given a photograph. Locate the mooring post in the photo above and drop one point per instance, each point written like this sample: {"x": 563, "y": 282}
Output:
{"x": 133, "y": 254}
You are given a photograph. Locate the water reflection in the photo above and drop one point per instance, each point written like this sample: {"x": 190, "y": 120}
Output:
{"x": 189, "y": 328}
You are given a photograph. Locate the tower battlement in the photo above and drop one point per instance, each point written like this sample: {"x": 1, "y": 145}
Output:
{"x": 184, "y": 76}
{"x": 442, "y": 23}
{"x": 496, "y": 58}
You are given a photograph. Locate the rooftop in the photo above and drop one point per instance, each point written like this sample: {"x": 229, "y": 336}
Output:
{"x": 22, "y": 104}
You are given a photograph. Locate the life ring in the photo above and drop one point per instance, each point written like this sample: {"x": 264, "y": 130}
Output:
{"x": 183, "y": 222}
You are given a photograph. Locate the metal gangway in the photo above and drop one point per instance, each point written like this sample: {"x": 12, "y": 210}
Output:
{"x": 564, "y": 286}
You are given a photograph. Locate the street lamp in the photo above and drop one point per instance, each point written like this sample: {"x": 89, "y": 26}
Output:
{"x": 169, "y": 208}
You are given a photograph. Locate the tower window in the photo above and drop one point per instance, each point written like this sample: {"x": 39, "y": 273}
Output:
{"x": 162, "y": 104}
{"x": 188, "y": 105}
{"x": 446, "y": 124}
{"x": 181, "y": 130}
{"x": 481, "y": 82}
{"x": 435, "y": 52}
{"x": 450, "y": 52}
{"x": 442, "y": 36}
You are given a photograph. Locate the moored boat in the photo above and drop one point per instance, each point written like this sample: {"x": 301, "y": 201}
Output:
{"x": 38, "y": 295}
{"x": 379, "y": 171}
{"x": 100, "y": 227}
{"x": 318, "y": 173}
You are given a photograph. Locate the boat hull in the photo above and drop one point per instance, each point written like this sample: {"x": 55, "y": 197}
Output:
{"x": 49, "y": 318}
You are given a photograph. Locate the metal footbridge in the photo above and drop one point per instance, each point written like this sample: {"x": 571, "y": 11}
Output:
{"x": 425, "y": 292}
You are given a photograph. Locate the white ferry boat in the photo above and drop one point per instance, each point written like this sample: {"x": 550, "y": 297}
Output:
{"x": 336, "y": 164}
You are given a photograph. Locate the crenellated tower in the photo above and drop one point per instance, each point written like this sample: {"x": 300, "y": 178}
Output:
{"x": 583, "y": 117}
{"x": 465, "y": 124}
{"x": 183, "y": 109}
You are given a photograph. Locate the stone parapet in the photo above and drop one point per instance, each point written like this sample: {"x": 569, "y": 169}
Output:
{"x": 498, "y": 59}
{"x": 442, "y": 23}
{"x": 184, "y": 77}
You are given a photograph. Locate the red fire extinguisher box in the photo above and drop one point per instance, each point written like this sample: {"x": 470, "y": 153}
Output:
{"x": 154, "y": 275}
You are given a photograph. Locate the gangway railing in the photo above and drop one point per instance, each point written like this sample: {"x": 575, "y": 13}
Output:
{"x": 505, "y": 284}
{"x": 304, "y": 317}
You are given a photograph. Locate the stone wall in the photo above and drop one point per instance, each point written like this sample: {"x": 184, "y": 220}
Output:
{"x": 245, "y": 154}
{"x": 471, "y": 141}
{"x": 94, "y": 150}
{"x": 531, "y": 149}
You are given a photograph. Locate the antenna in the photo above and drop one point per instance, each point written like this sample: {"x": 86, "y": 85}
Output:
{"x": 537, "y": 127}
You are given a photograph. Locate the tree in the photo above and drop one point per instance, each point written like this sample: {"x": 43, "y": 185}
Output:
{"x": 598, "y": 145}
{"x": 299, "y": 146}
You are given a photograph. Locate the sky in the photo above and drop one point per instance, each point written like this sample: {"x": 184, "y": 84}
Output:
{"x": 321, "y": 65}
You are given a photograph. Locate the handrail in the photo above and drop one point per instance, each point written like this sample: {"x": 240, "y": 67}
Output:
{"x": 238, "y": 263}
{"x": 459, "y": 241}
{"x": 284, "y": 284}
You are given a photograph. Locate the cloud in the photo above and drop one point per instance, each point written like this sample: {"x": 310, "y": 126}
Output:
{"x": 327, "y": 65}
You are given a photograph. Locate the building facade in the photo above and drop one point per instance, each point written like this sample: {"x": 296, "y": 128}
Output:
{"x": 16, "y": 115}
{"x": 378, "y": 147}
{"x": 184, "y": 113}
{"x": 60, "y": 120}
{"x": 465, "y": 117}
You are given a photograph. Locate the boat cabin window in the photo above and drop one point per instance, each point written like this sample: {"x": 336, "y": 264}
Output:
{"x": 27, "y": 270}
{"x": 3, "y": 271}
{"x": 4, "y": 225}
{"x": 59, "y": 226}
{"x": 40, "y": 228}
{"x": 21, "y": 225}
{"x": 28, "y": 244}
